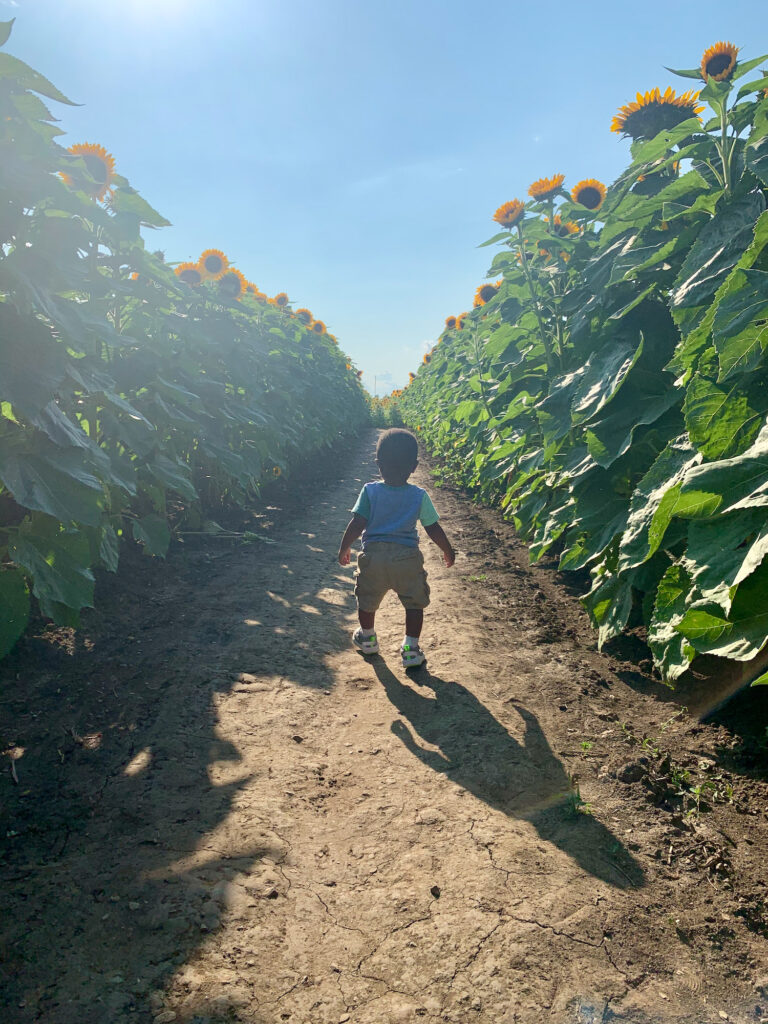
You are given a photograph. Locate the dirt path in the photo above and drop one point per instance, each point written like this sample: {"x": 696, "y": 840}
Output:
{"x": 225, "y": 813}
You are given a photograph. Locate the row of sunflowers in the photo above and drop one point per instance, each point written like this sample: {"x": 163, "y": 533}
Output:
{"x": 609, "y": 388}
{"x": 136, "y": 400}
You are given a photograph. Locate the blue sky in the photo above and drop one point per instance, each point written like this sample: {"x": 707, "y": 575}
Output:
{"x": 352, "y": 152}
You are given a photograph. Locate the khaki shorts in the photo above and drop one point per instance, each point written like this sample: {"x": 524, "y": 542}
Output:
{"x": 383, "y": 567}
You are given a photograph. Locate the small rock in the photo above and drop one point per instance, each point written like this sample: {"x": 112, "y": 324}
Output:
{"x": 133, "y": 905}
{"x": 723, "y": 1015}
{"x": 165, "y": 1017}
{"x": 297, "y": 739}
{"x": 435, "y": 890}
{"x": 156, "y": 1000}
{"x": 272, "y": 894}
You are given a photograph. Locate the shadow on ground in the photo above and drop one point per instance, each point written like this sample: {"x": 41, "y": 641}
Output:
{"x": 117, "y": 834}
{"x": 523, "y": 779}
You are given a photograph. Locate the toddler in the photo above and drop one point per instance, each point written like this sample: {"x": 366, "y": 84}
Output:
{"x": 385, "y": 515}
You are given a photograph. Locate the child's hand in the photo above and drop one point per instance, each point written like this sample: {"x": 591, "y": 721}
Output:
{"x": 449, "y": 557}
{"x": 344, "y": 556}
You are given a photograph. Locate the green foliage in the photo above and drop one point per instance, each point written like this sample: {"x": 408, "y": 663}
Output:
{"x": 612, "y": 396}
{"x": 131, "y": 404}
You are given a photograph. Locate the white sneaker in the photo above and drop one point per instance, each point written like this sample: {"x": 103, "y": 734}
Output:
{"x": 412, "y": 656}
{"x": 366, "y": 644}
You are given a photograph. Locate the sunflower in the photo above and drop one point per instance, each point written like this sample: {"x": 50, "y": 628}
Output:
{"x": 569, "y": 228}
{"x": 654, "y": 111}
{"x": 510, "y": 213}
{"x": 460, "y": 321}
{"x": 719, "y": 61}
{"x": 318, "y": 327}
{"x": 485, "y": 293}
{"x": 213, "y": 263}
{"x": 359, "y": 374}
{"x": 251, "y": 289}
{"x": 100, "y": 166}
{"x": 304, "y": 316}
{"x": 427, "y": 358}
{"x": 546, "y": 188}
{"x": 276, "y": 471}
{"x": 281, "y": 300}
{"x": 189, "y": 273}
{"x": 333, "y": 338}
{"x": 411, "y": 376}
{"x": 232, "y": 284}
{"x": 450, "y": 323}
{"x": 590, "y": 193}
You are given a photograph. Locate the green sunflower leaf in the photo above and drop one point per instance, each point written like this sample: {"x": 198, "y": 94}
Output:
{"x": 14, "y": 607}
{"x": 5, "y": 33}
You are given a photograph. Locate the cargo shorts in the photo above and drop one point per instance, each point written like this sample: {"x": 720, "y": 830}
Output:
{"x": 383, "y": 567}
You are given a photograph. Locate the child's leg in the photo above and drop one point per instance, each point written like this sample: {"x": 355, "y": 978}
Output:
{"x": 366, "y": 619}
{"x": 414, "y": 620}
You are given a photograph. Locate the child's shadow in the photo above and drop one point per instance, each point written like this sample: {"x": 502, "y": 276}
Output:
{"x": 522, "y": 779}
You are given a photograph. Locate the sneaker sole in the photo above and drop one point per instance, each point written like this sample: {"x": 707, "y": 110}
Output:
{"x": 367, "y": 650}
{"x": 414, "y": 664}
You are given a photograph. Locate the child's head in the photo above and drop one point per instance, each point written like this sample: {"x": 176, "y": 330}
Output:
{"x": 397, "y": 455}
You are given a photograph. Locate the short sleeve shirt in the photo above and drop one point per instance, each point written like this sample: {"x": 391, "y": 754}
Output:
{"x": 392, "y": 513}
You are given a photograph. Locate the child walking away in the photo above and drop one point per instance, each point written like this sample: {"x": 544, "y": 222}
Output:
{"x": 385, "y": 515}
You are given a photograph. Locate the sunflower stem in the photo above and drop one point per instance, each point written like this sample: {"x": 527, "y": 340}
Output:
{"x": 535, "y": 298}
{"x": 725, "y": 154}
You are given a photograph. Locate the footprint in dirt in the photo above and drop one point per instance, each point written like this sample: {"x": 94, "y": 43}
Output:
{"x": 524, "y": 779}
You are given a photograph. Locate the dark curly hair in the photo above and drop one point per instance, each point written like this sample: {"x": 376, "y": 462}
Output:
{"x": 397, "y": 453}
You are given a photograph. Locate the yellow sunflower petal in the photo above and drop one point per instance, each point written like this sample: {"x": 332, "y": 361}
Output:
{"x": 546, "y": 188}
{"x": 590, "y": 193}
{"x": 100, "y": 166}
{"x": 510, "y": 213}
{"x": 232, "y": 284}
{"x": 719, "y": 61}
{"x": 214, "y": 263}
{"x": 189, "y": 273}
{"x": 653, "y": 112}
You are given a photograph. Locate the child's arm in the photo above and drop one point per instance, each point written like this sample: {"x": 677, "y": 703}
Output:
{"x": 436, "y": 533}
{"x": 354, "y": 529}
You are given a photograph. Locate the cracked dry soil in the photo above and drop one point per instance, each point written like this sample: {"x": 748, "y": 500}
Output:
{"x": 224, "y": 813}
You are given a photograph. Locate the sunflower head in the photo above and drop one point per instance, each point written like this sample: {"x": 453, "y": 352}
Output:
{"x": 101, "y": 170}
{"x": 485, "y": 293}
{"x": 281, "y": 300}
{"x": 564, "y": 229}
{"x": 510, "y": 213}
{"x": 318, "y": 327}
{"x": 427, "y": 358}
{"x": 359, "y": 374}
{"x": 460, "y": 320}
{"x": 276, "y": 471}
{"x": 232, "y": 284}
{"x": 450, "y": 323}
{"x": 719, "y": 61}
{"x": 411, "y": 376}
{"x": 213, "y": 263}
{"x": 654, "y": 111}
{"x": 189, "y": 273}
{"x": 304, "y": 316}
{"x": 590, "y": 193}
{"x": 546, "y": 188}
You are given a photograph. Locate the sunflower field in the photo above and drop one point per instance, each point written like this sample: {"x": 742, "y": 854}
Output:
{"x": 134, "y": 398}
{"x": 609, "y": 388}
